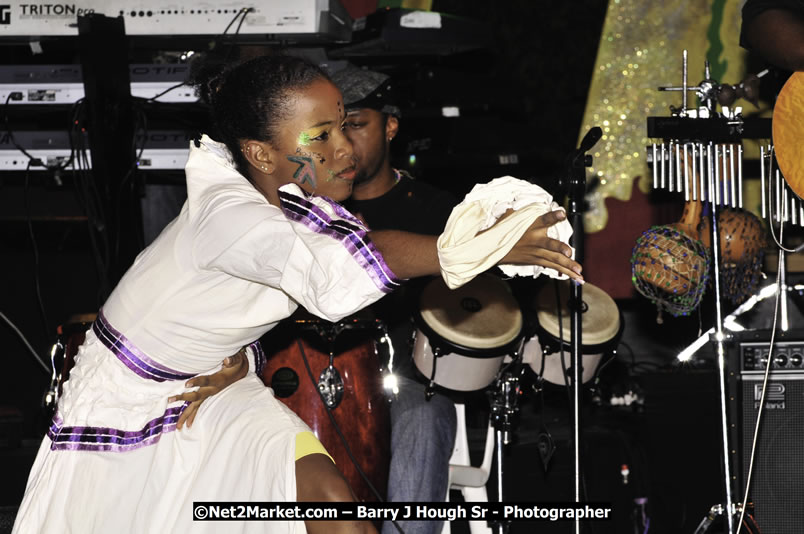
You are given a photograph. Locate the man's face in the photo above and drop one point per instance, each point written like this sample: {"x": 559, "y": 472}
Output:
{"x": 368, "y": 130}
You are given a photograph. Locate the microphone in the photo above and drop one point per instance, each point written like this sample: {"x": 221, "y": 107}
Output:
{"x": 578, "y": 159}
{"x": 592, "y": 136}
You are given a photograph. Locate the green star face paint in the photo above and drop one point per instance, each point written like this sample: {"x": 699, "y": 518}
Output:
{"x": 304, "y": 139}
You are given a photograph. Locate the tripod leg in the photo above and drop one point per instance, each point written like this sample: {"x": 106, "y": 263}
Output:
{"x": 706, "y": 522}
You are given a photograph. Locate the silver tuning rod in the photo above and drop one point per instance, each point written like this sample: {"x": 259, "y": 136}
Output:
{"x": 716, "y": 183}
{"x": 671, "y": 170}
{"x": 779, "y": 203}
{"x": 687, "y": 183}
{"x": 701, "y": 171}
{"x": 740, "y": 176}
{"x": 763, "y": 197}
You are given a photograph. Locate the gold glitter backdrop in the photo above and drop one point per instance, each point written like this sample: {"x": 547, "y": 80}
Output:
{"x": 640, "y": 50}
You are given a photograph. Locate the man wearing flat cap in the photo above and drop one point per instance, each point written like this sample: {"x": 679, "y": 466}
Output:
{"x": 422, "y": 431}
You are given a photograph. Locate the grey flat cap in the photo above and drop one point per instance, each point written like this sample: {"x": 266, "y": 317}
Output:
{"x": 364, "y": 88}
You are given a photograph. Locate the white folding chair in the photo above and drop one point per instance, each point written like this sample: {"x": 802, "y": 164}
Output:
{"x": 470, "y": 480}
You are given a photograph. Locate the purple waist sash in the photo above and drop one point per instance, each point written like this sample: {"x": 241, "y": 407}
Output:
{"x": 130, "y": 355}
{"x": 88, "y": 438}
{"x": 140, "y": 363}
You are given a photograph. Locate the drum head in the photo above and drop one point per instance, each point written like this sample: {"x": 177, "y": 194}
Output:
{"x": 601, "y": 323}
{"x": 481, "y": 315}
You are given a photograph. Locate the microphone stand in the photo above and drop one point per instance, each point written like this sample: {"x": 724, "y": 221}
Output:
{"x": 579, "y": 161}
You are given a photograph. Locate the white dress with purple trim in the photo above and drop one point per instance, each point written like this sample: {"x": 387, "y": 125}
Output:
{"x": 223, "y": 273}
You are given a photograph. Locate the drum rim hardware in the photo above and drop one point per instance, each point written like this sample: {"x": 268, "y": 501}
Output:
{"x": 330, "y": 385}
{"x": 454, "y": 373}
{"x": 555, "y": 342}
{"x": 427, "y": 321}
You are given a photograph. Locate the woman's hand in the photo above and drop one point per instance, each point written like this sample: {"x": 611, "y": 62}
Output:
{"x": 234, "y": 368}
{"x": 535, "y": 248}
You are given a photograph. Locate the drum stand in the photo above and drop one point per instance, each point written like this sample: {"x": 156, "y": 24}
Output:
{"x": 720, "y": 188}
{"x": 504, "y": 408}
{"x": 578, "y": 163}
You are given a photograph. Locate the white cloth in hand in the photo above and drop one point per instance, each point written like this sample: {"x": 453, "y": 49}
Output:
{"x": 464, "y": 252}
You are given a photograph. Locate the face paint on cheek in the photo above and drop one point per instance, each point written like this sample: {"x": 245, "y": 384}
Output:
{"x": 330, "y": 175}
{"x": 306, "y": 171}
{"x": 304, "y": 139}
{"x": 317, "y": 155}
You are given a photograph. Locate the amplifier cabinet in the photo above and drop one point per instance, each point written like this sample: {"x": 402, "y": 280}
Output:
{"x": 777, "y": 482}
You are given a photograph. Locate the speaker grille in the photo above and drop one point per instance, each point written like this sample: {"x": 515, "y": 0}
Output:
{"x": 777, "y": 486}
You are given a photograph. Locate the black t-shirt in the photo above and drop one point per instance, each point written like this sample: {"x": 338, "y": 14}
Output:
{"x": 410, "y": 206}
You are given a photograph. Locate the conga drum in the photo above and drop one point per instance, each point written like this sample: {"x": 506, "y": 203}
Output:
{"x": 464, "y": 334}
{"x": 329, "y": 374}
{"x": 601, "y": 329}
{"x": 71, "y": 335}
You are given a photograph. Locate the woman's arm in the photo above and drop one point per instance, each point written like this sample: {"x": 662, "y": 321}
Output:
{"x": 408, "y": 255}
{"x": 412, "y": 255}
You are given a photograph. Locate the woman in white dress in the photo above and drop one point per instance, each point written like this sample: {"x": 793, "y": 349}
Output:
{"x": 261, "y": 233}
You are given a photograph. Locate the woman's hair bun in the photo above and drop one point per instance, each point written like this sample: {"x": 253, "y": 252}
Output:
{"x": 207, "y": 75}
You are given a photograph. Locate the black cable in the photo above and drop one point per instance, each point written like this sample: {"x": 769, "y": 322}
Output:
{"x": 33, "y": 161}
{"x": 35, "y": 247}
{"x": 128, "y": 179}
{"x": 88, "y": 197}
{"x": 340, "y": 433}
{"x": 630, "y": 351}
{"x": 163, "y": 93}
{"x": 241, "y": 13}
{"x": 245, "y": 11}
{"x": 27, "y": 344}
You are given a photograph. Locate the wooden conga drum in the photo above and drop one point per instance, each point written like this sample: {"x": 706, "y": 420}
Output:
{"x": 329, "y": 374}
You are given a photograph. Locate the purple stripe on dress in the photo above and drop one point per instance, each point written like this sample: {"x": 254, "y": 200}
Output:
{"x": 259, "y": 357}
{"x": 353, "y": 237}
{"x": 359, "y": 246}
{"x": 323, "y": 216}
{"x": 343, "y": 213}
{"x": 89, "y": 438}
{"x": 130, "y": 355}
{"x": 364, "y": 257}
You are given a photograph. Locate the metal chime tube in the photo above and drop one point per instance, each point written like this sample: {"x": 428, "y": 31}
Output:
{"x": 670, "y": 176}
{"x": 703, "y": 179}
{"x": 740, "y": 176}
{"x": 762, "y": 180}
